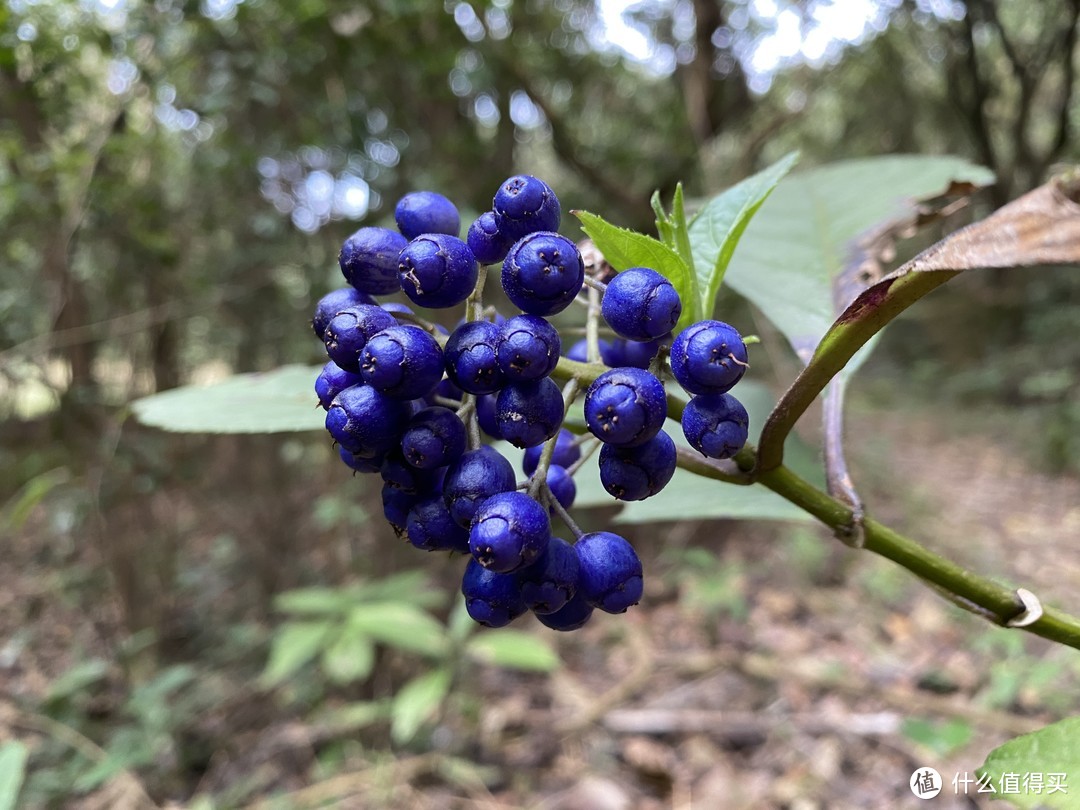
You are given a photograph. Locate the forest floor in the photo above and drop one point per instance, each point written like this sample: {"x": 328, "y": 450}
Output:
{"x": 768, "y": 666}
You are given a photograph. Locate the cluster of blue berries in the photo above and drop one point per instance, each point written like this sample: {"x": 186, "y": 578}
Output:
{"x": 408, "y": 400}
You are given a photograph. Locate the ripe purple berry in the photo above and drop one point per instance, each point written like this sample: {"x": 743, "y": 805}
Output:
{"x": 609, "y": 354}
{"x": 403, "y": 362}
{"x": 636, "y": 473}
{"x": 640, "y": 304}
{"x": 471, "y": 361}
{"x": 332, "y": 380}
{"x": 492, "y": 599}
{"x": 366, "y": 422}
{"x": 477, "y": 475}
{"x": 551, "y": 581}
{"x": 571, "y": 616}
{"x": 349, "y": 331}
{"x": 530, "y": 412}
{"x": 430, "y": 527}
{"x": 508, "y": 532}
{"x": 716, "y": 425}
{"x": 369, "y": 260}
{"x": 527, "y": 348}
{"x": 332, "y": 303}
{"x": 485, "y": 415}
{"x": 525, "y": 204}
{"x": 562, "y": 486}
{"x": 420, "y": 212}
{"x": 610, "y": 574}
{"x": 488, "y": 244}
{"x": 434, "y": 438}
{"x": 543, "y": 273}
{"x": 437, "y": 270}
{"x": 625, "y": 406}
{"x": 708, "y": 357}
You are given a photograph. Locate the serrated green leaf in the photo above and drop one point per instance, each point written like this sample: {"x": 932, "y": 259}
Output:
{"x": 417, "y": 702}
{"x": 513, "y": 649}
{"x": 805, "y": 233}
{"x": 12, "y": 771}
{"x": 401, "y": 625}
{"x": 1050, "y": 752}
{"x": 294, "y": 644}
{"x": 278, "y": 401}
{"x": 720, "y": 224}
{"x": 349, "y": 658}
{"x": 624, "y": 248}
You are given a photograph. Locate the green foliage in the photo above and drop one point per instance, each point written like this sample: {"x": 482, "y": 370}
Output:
{"x": 1054, "y": 749}
{"x": 513, "y": 649}
{"x": 12, "y": 770}
{"x": 277, "y": 401}
{"x": 942, "y": 738}
{"x": 417, "y": 702}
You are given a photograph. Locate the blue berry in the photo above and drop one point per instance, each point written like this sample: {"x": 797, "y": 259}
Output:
{"x": 369, "y": 260}
{"x": 525, "y": 204}
{"x": 332, "y": 303}
{"x": 640, "y": 304}
{"x": 397, "y": 308}
{"x": 508, "y": 532}
{"x": 349, "y": 331}
{"x": 530, "y": 412}
{"x": 636, "y": 473}
{"x": 566, "y": 452}
{"x": 366, "y": 422}
{"x": 332, "y": 380}
{"x": 625, "y": 406}
{"x": 543, "y": 273}
{"x": 562, "y": 486}
{"x": 609, "y": 355}
{"x": 421, "y": 212}
{"x": 397, "y": 472}
{"x": 527, "y": 348}
{"x": 396, "y": 506}
{"x": 471, "y": 361}
{"x": 708, "y": 357}
{"x": 716, "y": 425}
{"x": 571, "y": 616}
{"x": 434, "y": 438}
{"x": 610, "y": 572}
{"x": 437, "y": 270}
{"x": 477, "y": 475}
{"x": 430, "y": 527}
{"x": 488, "y": 244}
{"x": 358, "y": 463}
{"x": 492, "y": 599}
{"x": 551, "y": 581}
{"x": 634, "y": 353}
{"x": 447, "y": 389}
{"x": 485, "y": 415}
{"x": 403, "y": 362}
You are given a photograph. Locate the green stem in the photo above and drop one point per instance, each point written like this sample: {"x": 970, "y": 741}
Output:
{"x": 965, "y": 588}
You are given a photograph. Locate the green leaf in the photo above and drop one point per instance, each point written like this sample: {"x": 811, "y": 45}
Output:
{"x": 513, "y": 649}
{"x": 12, "y": 771}
{"x": 942, "y": 738}
{"x": 1053, "y": 751}
{"x": 316, "y": 601}
{"x": 350, "y": 658}
{"x": 624, "y": 248}
{"x": 719, "y": 225}
{"x": 664, "y": 226}
{"x": 294, "y": 644}
{"x": 417, "y": 702}
{"x": 804, "y": 235}
{"x": 401, "y": 625}
{"x": 81, "y": 676}
{"x": 352, "y": 716}
{"x": 278, "y": 401}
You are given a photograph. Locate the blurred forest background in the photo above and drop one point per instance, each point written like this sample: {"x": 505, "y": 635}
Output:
{"x": 175, "y": 181}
